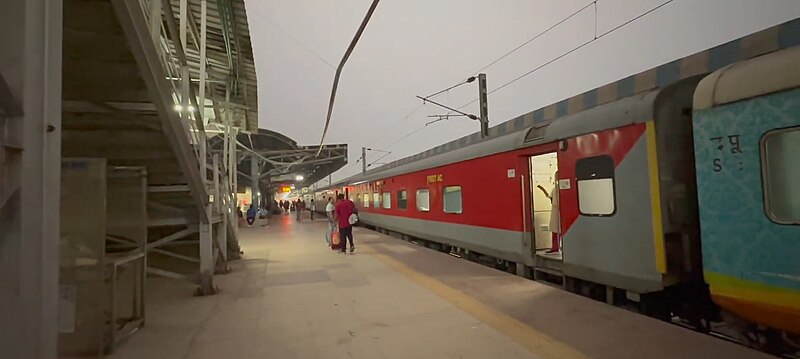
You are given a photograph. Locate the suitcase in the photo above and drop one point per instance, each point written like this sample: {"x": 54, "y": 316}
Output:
{"x": 336, "y": 240}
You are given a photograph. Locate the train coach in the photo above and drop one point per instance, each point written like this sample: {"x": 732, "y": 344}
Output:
{"x": 683, "y": 200}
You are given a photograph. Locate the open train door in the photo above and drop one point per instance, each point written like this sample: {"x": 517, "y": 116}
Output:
{"x": 544, "y": 194}
{"x": 546, "y": 218}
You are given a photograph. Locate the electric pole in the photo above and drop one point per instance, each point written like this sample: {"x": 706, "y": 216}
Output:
{"x": 483, "y": 96}
{"x": 363, "y": 160}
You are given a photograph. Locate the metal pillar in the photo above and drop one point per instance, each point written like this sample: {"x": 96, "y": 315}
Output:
{"x": 221, "y": 227}
{"x": 254, "y": 180}
{"x": 483, "y": 96}
{"x": 30, "y": 165}
{"x": 363, "y": 160}
{"x": 202, "y": 91}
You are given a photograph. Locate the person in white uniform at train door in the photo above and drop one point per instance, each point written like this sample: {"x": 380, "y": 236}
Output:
{"x": 555, "y": 218}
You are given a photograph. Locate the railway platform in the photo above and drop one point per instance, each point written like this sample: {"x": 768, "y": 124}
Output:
{"x": 290, "y": 296}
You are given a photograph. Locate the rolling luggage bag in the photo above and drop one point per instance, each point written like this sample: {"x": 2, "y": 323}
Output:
{"x": 336, "y": 240}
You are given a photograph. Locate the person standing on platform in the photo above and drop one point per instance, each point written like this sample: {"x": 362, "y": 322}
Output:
{"x": 329, "y": 212}
{"x": 313, "y": 208}
{"x": 298, "y": 208}
{"x": 344, "y": 209}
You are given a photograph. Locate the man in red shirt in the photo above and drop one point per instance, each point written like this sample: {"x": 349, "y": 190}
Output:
{"x": 344, "y": 209}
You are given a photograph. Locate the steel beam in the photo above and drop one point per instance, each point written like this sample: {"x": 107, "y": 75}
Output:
{"x": 167, "y": 222}
{"x": 131, "y": 18}
{"x": 174, "y": 236}
{"x": 176, "y": 255}
{"x": 166, "y": 189}
{"x": 166, "y": 273}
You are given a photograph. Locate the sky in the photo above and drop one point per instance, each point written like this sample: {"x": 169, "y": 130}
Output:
{"x": 419, "y": 47}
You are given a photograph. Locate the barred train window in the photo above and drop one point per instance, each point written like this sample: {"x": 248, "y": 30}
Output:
{"x": 387, "y": 200}
{"x": 423, "y": 200}
{"x": 596, "y": 186}
{"x": 452, "y": 199}
{"x": 782, "y": 175}
{"x": 402, "y": 200}
{"x": 376, "y": 200}
{"x": 366, "y": 200}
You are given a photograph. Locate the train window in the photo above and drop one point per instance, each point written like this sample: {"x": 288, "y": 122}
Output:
{"x": 452, "y": 199}
{"x": 387, "y": 200}
{"x": 423, "y": 200}
{"x": 366, "y": 200}
{"x": 596, "y": 186}
{"x": 376, "y": 200}
{"x": 781, "y": 174}
{"x": 402, "y": 200}
{"x": 358, "y": 199}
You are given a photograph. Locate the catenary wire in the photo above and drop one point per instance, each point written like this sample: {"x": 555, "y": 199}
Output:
{"x": 296, "y": 40}
{"x": 582, "y": 45}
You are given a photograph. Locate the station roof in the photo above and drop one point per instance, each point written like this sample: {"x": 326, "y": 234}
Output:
{"x": 281, "y": 160}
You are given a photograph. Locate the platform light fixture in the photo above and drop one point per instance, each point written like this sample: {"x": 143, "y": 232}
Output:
{"x": 299, "y": 178}
{"x": 178, "y": 108}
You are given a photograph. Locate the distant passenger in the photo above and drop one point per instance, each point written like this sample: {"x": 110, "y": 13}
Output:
{"x": 298, "y": 208}
{"x": 313, "y": 208}
{"x": 345, "y": 208}
{"x": 329, "y": 212}
{"x": 251, "y": 214}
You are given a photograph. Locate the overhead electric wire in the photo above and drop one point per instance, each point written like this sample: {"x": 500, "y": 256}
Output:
{"x": 596, "y": 37}
{"x": 380, "y": 158}
{"x": 296, "y": 40}
{"x": 537, "y": 36}
{"x": 406, "y": 117}
{"x": 490, "y": 64}
{"x": 347, "y": 54}
{"x": 582, "y": 45}
{"x": 468, "y": 80}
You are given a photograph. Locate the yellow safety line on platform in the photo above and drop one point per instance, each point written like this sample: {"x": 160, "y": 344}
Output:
{"x": 535, "y": 341}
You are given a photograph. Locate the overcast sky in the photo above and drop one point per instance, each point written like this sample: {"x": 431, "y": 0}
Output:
{"x": 418, "y": 47}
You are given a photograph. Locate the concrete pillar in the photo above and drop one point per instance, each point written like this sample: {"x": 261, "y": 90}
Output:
{"x": 30, "y": 165}
{"x": 206, "y": 279}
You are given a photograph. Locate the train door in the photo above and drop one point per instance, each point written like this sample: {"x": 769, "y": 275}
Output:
{"x": 544, "y": 203}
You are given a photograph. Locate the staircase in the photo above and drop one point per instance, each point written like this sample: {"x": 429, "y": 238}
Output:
{"x": 132, "y": 93}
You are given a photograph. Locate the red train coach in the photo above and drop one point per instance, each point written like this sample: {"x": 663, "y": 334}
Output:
{"x": 624, "y": 186}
